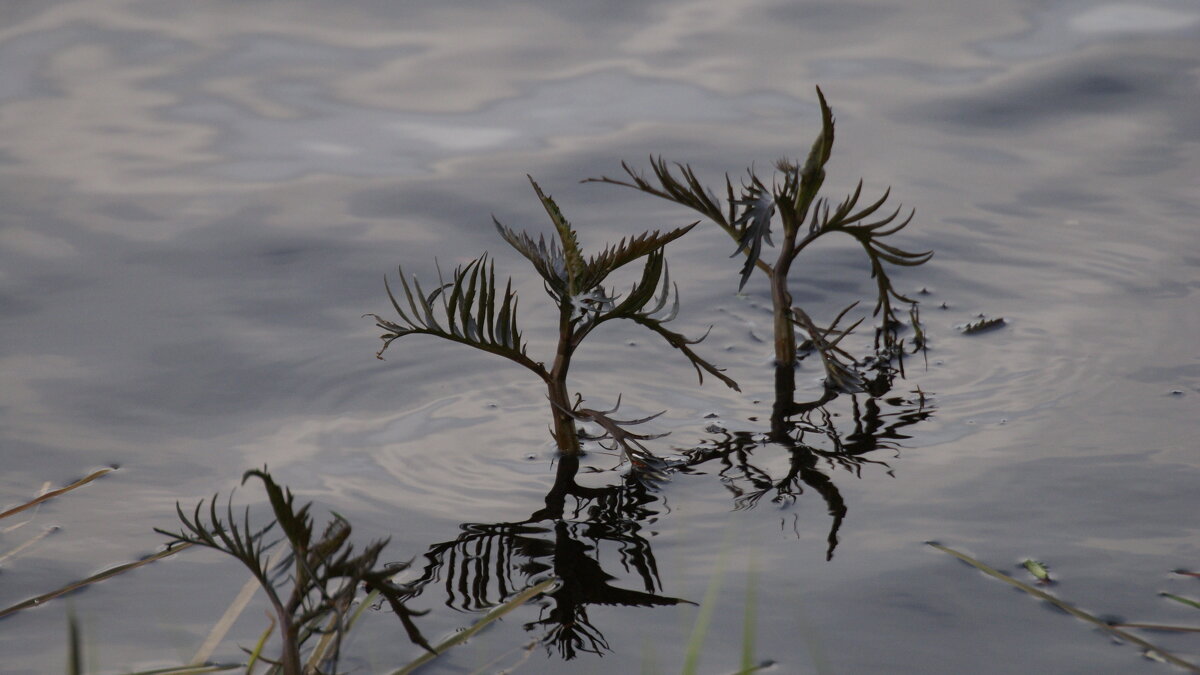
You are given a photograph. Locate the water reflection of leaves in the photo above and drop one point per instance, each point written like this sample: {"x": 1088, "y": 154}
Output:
{"x": 489, "y": 561}
{"x": 815, "y": 446}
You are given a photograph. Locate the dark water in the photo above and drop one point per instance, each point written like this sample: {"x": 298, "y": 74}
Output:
{"x": 198, "y": 201}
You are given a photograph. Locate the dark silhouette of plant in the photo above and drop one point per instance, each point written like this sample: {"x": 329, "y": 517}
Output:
{"x": 469, "y": 309}
{"x": 805, "y": 218}
{"x": 814, "y": 444}
{"x": 583, "y": 526}
{"x": 489, "y": 561}
{"x": 324, "y": 572}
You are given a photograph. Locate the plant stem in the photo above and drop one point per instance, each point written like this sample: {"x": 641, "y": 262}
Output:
{"x": 565, "y": 434}
{"x": 785, "y": 333}
{"x": 781, "y": 297}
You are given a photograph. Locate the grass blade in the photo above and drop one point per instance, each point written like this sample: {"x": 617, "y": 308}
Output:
{"x": 1069, "y": 609}
{"x": 704, "y": 618}
{"x": 27, "y": 544}
{"x": 496, "y": 612}
{"x": 1186, "y": 601}
{"x": 750, "y": 618}
{"x": 256, "y": 653}
{"x": 54, "y": 493}
{"x": 74, "y": 645}
{"x": 221, "y": 628}
{"x": 1158, "y": 626}
{"x": 190, "y": 670}
{"x": 106, "y": 574}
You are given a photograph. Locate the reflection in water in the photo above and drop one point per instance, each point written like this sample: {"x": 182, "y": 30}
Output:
{"x": 488, "y": 562}
{"x": 814, "y": 443}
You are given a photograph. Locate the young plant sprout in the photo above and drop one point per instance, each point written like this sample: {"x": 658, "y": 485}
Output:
{"x": 804, "y": 218}
{"x": 469, "y": 309}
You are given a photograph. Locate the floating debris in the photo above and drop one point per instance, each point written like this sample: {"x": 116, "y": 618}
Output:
{"x": 983, "y": 325}
{"x": 1039, "y": 570}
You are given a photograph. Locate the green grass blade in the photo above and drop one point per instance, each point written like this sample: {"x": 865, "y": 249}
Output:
{"x": 704, "y": 617}
{"x": 496, "y": 612}
{"x": 750, "y": 618}
{"x": 1069, "y": 609}
{"x": 1186, "y": 601}
{"x": 74, "y": 645}
{"x": 258, "y": 647}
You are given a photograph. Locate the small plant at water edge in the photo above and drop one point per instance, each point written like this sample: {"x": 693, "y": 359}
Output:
{"x": 469, "y": 309}
{"x": 323, "y": 571}
{"x": 805, "y": 218}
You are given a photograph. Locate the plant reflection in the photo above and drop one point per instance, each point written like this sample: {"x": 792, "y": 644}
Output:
{"x": 814, "y": 444}
{"x": 488, "y": 562}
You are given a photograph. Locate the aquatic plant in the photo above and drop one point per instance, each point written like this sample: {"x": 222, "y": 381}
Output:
{"x": 804, "y": 218}
{"x": 469, "y": 309}
{"x": 323, "y": 571}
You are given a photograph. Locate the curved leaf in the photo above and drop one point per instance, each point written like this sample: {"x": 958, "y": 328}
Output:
{"x": 754, "y": 224}
{"x": 572, "y": 254}
{"x": 475, "y": 314}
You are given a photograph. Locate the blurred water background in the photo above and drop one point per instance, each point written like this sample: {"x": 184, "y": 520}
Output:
{"x": 198, "y": 201}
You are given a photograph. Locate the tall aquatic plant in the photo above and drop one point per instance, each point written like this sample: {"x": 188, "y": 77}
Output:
{"x": 469, "y": 309}
{"x": 804, "y": 218}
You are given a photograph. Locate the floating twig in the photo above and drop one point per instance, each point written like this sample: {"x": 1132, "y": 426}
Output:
{"x": 54, "y": 493}
{"x": 1070, "y": 609}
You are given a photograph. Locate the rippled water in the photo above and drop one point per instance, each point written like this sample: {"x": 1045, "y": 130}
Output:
{"x": 198, "y": 201}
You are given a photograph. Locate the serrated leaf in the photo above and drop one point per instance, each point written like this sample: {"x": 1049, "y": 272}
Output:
{"x": 566, "y": 235}
{"x": 812, "y": 174}
{"x": 624, "y": 252}
{"x": 475, "y": 314}
{"x": 547, "y": 258}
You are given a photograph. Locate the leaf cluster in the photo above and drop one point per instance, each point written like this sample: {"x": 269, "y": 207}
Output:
{"x": 467, "y": 308}
{"x": 316, "y": 578}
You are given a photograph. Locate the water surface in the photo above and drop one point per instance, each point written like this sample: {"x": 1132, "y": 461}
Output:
{"x": 199, "y": 201}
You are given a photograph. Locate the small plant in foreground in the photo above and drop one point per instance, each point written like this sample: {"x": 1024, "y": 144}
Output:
{"x": 805, "y": 218}
{"x": 469, "y": 309}
{"x": 324, "y": 572}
